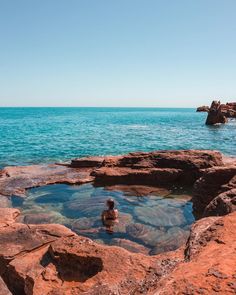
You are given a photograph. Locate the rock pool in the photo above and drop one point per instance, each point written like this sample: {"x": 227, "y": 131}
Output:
{"x": 151, "y": 220}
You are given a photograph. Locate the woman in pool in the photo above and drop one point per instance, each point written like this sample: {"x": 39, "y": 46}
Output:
{"x": 110, "y": 216}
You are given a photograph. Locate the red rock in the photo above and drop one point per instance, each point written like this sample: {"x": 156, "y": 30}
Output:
{"x": 3, "y": 288}
{"x": 50, "y": 258}
{"x": 38, "y": 218}
{"x": 203, "y": 109}
{"x": 139, "y": 190}
{"x": 218, "y": 113}
{"x": 212, "y": 264}
{"x": 179, "y": 159}
{"x": 159, "y": 168}
{"x": 16, "y": 180}
{"x": 201, "y": 233}
{"x": 213, "y": 182}
{"x": 20, "y": 238}
{"x": 87, "y": 162}
{"x": 223, "y": 204}
{"x": 130, "y": 246}
{"x": 8, "y": 216}
{"x": 53, "y": 260}
{"x": 215, "y": 114}
{"x": 154, "y": 168}
{"x": 155, "y": 176}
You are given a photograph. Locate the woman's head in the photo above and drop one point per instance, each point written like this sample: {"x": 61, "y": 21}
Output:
{"x": 110, "y": 204}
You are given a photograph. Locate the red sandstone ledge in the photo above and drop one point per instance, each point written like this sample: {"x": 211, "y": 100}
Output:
{"x": 52, "y": 259}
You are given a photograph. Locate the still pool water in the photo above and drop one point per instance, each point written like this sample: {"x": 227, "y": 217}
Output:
{"x": 151, "y": 220}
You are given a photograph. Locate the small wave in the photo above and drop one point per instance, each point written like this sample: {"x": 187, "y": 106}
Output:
{"x": 136, "y": 126}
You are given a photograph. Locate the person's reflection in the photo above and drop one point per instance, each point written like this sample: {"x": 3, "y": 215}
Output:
{"x": 110, "y": 216}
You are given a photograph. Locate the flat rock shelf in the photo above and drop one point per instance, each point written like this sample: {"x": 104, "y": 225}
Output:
{"x": 151, "y": 220}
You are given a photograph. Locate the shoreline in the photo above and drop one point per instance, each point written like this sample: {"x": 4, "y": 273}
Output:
{"x": 213, "y": 178}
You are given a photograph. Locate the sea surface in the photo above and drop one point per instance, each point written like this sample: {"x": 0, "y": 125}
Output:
{"x": 41, "y": 135}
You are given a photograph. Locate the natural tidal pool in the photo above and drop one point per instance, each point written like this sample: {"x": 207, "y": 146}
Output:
{"x": 151, "y": 220}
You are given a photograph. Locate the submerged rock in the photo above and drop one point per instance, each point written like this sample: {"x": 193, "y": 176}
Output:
{"x": 148, "y": 235}
{"x": 39, "y": 218}
{"x": 130, "y": 246}
{"x": 83, "y": 223}
{"x": 5, "y": 202}
{"x": 174, "y": 238}
{"x": 124, "y": 220}
{"x": 160, "y": 215}
{"x": 78, "y": 208}
{"x": 139, "y": 190}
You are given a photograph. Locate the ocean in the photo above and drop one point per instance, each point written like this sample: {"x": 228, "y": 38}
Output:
{"x": 42, "y": 135}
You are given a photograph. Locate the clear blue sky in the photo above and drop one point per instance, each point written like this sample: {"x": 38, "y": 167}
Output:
{"x": 117, "y": 52}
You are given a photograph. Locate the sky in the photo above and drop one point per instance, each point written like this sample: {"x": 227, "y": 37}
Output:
{"x": 121, "y": 53}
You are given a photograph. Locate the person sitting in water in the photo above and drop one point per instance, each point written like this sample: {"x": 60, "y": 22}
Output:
{"x": 110, "y": 216}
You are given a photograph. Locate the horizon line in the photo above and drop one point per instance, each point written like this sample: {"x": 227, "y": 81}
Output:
{"x": 121, "y": 107}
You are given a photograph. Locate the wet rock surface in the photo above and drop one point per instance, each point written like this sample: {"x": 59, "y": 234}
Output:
{"x": 169, "y": 216}
{"x": 15, "y": 180}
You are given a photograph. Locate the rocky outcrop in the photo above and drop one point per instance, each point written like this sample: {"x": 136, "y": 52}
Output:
{"x": 87, "y": 162}
{"x": 212, "y": 190}
{"x": 215, "y": 114}
{"x": 210, "y": 266}
{"x": 203, "y": 109}
{"x": 8, "y": 216}
{"x": 158, "y": 168}
{"x": 53, "y": 259}
{"x": 3, "y": 288}
{"x": 15, "y": 180}
{"x": 209, "y": 172}
{"x": 218, "y": 113}
{"x": 161, "y": 168}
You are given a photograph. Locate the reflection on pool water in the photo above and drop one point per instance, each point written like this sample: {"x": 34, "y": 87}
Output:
{"x": 153, "y": 223}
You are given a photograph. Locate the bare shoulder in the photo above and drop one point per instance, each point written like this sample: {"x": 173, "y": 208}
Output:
{"x": 116, "y": 212}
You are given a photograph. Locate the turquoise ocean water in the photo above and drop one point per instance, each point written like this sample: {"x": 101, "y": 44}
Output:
{"x": 39, "y": 135}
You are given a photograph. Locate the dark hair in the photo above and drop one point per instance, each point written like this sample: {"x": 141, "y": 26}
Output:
{"x": 111, "y": 204}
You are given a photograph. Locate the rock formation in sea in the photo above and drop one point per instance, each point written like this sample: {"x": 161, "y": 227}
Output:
{"x": 219, "y": 113}
{"x": 52, "y": 259}
{"x": 203, "y": 109}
